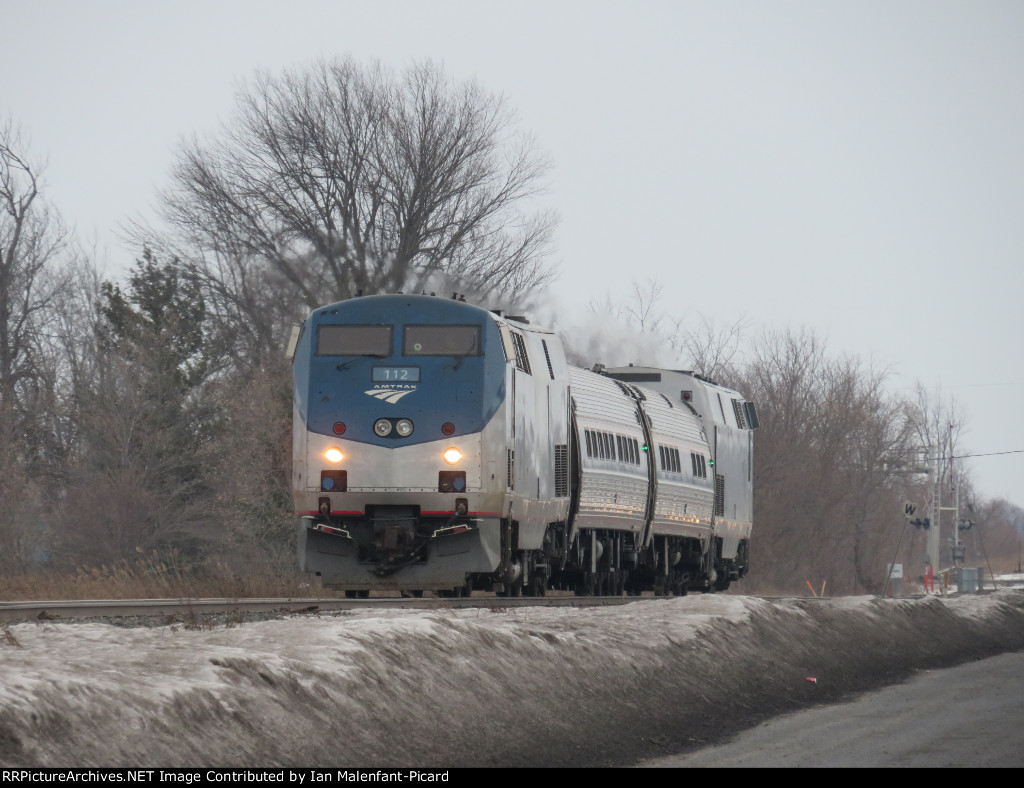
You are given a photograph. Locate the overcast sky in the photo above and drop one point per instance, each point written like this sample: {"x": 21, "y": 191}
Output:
{"x": 855, "y": 168}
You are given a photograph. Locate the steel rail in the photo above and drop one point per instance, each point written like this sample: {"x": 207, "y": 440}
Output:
{"x": 176, "y": 609}
{"x": 57, "y": 610}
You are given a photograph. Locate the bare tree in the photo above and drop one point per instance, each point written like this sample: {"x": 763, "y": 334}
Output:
{"x": 639, "y": 310}
{"x": 826, "y": 491}
{"x": 713, "y": 349}
{"x": 938, "y": 425}
{"x": 995, "y": 537}
{"x": 31, "y": 242}
{"x": 340, "y": 179}
{"x": 709, "y": 348}
{"x": 32, "y": 239}
{"x": 32, "y": 245}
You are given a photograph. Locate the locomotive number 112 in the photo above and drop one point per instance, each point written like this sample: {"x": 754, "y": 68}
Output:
{"x": 396, "y": 374}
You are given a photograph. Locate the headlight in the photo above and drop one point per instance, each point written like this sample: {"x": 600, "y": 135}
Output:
{"x": 382, "y": 427}
{"x": 334, "y": 454}
{"x": 452, "y": 456}
{"x": 404, "y": 428}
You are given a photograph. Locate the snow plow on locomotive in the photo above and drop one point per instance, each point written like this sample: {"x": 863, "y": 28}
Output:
{"x": 442, "y": 447}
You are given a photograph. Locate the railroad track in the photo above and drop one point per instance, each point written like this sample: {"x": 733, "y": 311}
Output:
{"x": 57, "y": 610}
{"x": 177, "y": 609}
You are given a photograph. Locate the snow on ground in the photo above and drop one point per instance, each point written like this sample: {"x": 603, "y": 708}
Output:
{"x": 510, "y": 687}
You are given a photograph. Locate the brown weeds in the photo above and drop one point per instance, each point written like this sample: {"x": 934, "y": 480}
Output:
{"x": 158, "y": 576}
{"x": 7, "y": 637}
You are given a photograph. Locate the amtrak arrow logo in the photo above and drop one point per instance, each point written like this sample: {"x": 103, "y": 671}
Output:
{"x": 389, "y": 395}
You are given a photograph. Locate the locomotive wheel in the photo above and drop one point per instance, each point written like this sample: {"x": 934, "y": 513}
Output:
{"x": 358, "y": 594}
{"x": 586, "y": 584}
{"x": 513, "y": 589}
{"x": 537, "y": 581}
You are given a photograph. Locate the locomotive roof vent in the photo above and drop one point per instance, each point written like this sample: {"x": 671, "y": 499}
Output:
{"x": 518, "y": 318}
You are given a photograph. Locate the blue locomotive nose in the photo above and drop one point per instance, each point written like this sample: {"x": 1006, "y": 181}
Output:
{"x": 421, "y": 369}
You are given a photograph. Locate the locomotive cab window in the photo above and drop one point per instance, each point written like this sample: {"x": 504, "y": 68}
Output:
{"x": 441, "y": 341}
{"x": 353, "y": 341}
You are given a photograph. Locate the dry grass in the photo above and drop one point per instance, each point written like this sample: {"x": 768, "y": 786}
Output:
{"x": 7, "y": 637}
{"x": 157, "y": 577}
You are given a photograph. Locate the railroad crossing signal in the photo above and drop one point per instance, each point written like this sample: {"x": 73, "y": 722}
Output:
{"x": 908, "y": 511}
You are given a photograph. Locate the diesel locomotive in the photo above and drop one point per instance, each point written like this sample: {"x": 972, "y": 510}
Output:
{"x": 443, "y": 447}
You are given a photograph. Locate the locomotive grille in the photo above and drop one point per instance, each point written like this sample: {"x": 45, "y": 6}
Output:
{"x": 561, "y": 471}
{"x": 737, "y": 408}
{"x": 719, "y": 495}
{"x": 511, "y": 465}
{"x": 547, "y": 357}
{"x": 522, "y": 359}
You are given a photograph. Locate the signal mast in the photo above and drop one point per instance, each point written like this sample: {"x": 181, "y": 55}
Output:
{"x": 934, "y": 557}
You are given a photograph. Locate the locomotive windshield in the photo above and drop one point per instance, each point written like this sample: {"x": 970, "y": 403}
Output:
{"x": 437, "y": 340}
{"x": 353, "y": 341}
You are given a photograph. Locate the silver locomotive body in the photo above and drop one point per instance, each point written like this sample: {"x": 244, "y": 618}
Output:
{"x": 429, "y": 452}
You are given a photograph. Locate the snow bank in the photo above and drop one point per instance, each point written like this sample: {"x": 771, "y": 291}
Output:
{"x": 540, "y": 686}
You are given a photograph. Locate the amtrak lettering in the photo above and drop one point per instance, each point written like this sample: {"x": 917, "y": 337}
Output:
{"x": 390, "y": 393}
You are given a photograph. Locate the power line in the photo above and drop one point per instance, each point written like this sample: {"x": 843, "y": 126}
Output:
{"x": 965, "y": 456}
{"x": 985, "y": 385}
{"x": 968, "y": 385}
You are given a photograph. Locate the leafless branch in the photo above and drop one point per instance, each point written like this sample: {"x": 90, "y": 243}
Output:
{"x": 342, "y": 179}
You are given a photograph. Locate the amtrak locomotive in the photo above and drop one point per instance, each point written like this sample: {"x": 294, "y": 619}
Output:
{"x": 440, "y": 446}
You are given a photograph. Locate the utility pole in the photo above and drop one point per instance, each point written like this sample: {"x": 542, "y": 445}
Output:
{"x": 934, "y": 557}
{"x": 934, "y": 542}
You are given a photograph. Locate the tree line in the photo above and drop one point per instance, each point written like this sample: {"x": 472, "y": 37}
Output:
{"x": 147, "y": 422}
